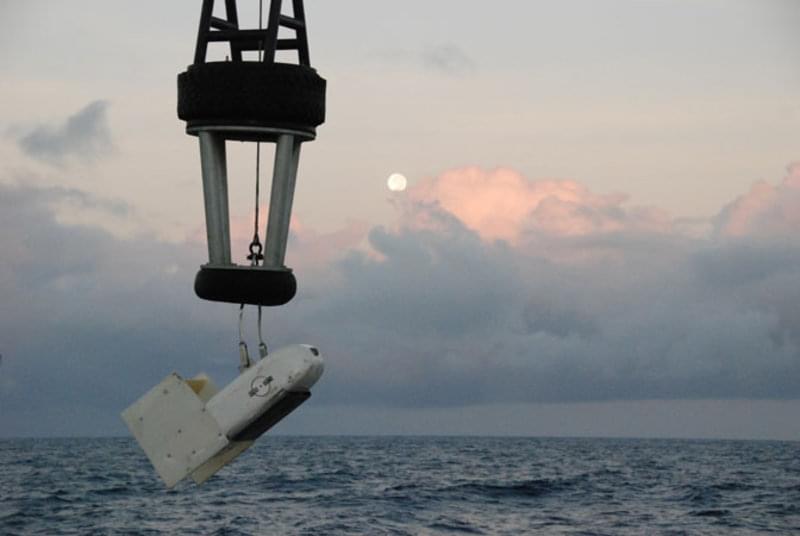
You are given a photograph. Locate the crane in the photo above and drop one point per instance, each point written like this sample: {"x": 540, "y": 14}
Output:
{"x": 188, "y": 427}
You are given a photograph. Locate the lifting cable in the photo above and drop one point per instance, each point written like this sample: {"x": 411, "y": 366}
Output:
{"x": 255, "y": 248}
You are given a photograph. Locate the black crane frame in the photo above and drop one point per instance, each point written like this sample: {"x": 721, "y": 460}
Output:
{"x": 215, "y": 29}
{"x": 256, "y": 101}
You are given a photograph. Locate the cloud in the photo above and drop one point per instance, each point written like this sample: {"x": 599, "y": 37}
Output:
{"x": 448, "y": 319}
{"x": 502, "y": 204}
{"x": 86, "y": 318}
{"x": 84, "y": 136}
{"x": 452, "y": 306}
{"x": 461, "y": 305}
{"x": 764, "y": 211}
{"x": 448, "y": 59}
{"x": 312, "y": 253}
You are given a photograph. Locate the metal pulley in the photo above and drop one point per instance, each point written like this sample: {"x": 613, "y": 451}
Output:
{"x": 250, "y": 101}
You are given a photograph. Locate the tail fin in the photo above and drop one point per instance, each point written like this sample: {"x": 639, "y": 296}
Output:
{"x": 172, "y": 426}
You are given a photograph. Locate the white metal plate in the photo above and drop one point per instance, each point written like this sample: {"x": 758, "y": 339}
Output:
{"x": 224, "y": 457}
{"x": 174, "y": 429}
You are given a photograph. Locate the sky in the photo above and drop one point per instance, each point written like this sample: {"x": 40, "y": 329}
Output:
{"x": 599, "y": 237}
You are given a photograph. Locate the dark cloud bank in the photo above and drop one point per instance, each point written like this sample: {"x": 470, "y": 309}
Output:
{"x": 438, "y": 318}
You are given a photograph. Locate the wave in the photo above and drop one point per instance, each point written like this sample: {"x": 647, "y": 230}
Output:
{"x": 703, "y": 494}
{"x": 711, "y": 512}
{"x": 537, "y": 487}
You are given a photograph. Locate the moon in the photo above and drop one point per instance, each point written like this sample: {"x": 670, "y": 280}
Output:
{"x": 397, "y": 182}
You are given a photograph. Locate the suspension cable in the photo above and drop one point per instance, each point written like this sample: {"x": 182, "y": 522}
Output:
{"x": 256, "y": 256}
{"x": 262, "y": 347}
{"x": 255, "y": 248}
{"x": 244, "y": 356}
{"x": 255, "y": 244}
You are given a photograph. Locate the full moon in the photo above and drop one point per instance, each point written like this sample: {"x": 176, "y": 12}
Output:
{"x": 397, "y": 182}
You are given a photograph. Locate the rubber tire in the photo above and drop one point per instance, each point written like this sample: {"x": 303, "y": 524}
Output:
{"x": 253, "y": 286}
{"x": 252, "y": 92}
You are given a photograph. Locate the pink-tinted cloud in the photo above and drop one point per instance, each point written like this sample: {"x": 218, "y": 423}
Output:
{"x": 542, "y": 216}
{"x": 766, "y": 210}
{"x": 498, "y": 204}
{"x": 241, "y": 232}
{"x": 314, "y": 251}
{"x": 503, "y": 205}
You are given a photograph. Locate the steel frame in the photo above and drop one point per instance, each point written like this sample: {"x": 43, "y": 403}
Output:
{"x": 215, "y": 29}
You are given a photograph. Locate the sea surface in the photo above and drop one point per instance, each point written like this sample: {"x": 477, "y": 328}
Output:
{"x": 409, "y": 485}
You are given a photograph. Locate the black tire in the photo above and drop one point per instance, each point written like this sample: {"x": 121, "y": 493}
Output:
{"x": 244, "y": 284}
{"x": 249, "y": 92}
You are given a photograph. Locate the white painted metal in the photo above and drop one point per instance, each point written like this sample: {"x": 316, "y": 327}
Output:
{"x": 293, "y": 368}
{"x": 185, "y": 426}
{"x": 215, "y": 193}
{"x": 174, "y": 429}
{"x": 203, "y": 386}
{"x": 287, "y": 159}
{"x": 223, "y": 458}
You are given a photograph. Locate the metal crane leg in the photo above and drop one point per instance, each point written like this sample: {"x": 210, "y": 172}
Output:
{"x": 215, "y": 193}
{"x": 287, "y": 158}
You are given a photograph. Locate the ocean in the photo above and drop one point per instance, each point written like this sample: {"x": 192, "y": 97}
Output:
{"x": 409, "y": 485}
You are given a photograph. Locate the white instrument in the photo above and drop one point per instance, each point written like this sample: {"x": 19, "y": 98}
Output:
{"x": 189, "y": 428}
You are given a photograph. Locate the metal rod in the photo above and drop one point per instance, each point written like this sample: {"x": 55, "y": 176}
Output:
{"x": 287, "y": 158}
{"x": 302, "y": 33}
{"x": 215, "y": 194}
{"x": 287, "y": 44}
{"x": 292, "y": 23}
{"x": 202, "y": 41}
{"x": 238, "y": 35}
{"x": 222, "y": 24}
{"x": 273, "y": 21}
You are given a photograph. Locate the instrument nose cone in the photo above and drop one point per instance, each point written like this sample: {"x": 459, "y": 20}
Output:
{"x": 315, "y": 365}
